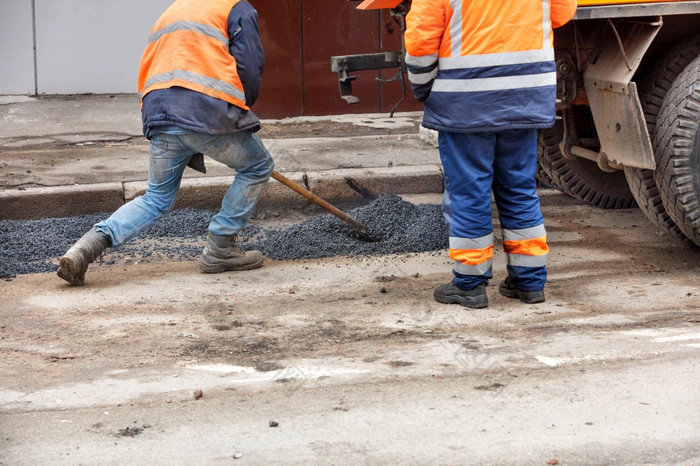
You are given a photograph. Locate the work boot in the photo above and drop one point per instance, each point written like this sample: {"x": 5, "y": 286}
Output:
{"x": 507, "y": 289}
{"x": 75, "y": 262}
{"x": 221, "y": 253}
{"x": 449, "y": 294}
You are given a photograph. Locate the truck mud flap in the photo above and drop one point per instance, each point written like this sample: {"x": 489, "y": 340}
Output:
{"x": 617, "y": 112}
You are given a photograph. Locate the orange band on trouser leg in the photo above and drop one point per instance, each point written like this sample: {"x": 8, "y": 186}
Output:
{"x": 472, "y": 256}
{"x": 472, "y": 261}
{"x": 527, "y": 252}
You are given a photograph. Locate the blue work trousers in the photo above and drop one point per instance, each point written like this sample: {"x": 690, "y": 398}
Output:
{"x": 171, "y": 150}
{"x": 477, "y": 164}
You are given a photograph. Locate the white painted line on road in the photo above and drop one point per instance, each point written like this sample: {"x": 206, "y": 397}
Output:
{"x": 551, "y": 362}
{"x": 294, "y": 371}
{"x": 609, "y": 356}
{"x": 692, "y": 336}
{"x": 223, "y": 369}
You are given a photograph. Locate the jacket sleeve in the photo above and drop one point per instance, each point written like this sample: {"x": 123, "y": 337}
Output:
{"x": 562, "y": 11}
{"x": 246, "y": 48}
{"x": 425, "y": 27}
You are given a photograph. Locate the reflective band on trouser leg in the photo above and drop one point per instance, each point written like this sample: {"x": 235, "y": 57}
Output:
{"x": 526, "y": 247}
{"x": 527, "y": 253}
{"x": 473, "y": 258}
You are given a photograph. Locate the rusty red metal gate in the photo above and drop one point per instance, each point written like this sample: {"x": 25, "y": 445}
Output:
{"x": 300, "y": 36}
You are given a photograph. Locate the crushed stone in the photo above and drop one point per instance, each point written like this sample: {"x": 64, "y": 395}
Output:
{"x": 35, "y": 246}
{"x": 399, "y": 227}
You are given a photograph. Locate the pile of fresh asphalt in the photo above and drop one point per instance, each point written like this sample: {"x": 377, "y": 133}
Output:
{"x": 397, "y": 226}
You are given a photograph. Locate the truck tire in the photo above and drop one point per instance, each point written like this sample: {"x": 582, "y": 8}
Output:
{"x": 653, "y": 90}
{"x": 582, "y": 178}
{"x": 645, "y": 191}
{"x": 677, "y": 151}
{"x": 543, "y": 179}
{"x": 543, "y": 159}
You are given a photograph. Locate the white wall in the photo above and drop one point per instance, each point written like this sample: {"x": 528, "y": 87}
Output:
{"x": 82, "y": 46}
{"x": 16, "y": 47}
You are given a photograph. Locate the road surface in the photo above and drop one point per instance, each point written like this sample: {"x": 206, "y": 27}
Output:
{"x": 350, "y": 360}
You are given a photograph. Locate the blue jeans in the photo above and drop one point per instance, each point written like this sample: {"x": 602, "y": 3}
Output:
{"x": 170, "y": 152}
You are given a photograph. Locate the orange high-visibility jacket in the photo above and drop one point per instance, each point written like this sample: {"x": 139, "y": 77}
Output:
{"x": 189, "y": 47}
{"x": 485, "y": 65}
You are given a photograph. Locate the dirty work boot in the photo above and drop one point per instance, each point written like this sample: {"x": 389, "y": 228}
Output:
{"x": 507, "y": 289}
{"x": 75, "y": 262}
{"x": 449, "y": 294}
{"x": 221, "y": 253}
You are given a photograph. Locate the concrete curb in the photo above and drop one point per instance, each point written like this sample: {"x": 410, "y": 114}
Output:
{"x": 335, "y": 186}
{"x": 60, "y": 201}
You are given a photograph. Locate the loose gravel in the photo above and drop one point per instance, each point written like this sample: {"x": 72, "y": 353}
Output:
{"x": 34, "y": 246}
{"x": 397, "y": 225}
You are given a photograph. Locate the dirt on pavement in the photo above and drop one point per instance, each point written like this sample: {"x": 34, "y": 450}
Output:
{"x": 619, "y": 294}
{"x": 161, "y": 314}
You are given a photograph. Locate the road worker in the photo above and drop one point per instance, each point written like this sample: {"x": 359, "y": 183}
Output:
{"x": 485, "y": 71}
{"x": 198, "y": 78}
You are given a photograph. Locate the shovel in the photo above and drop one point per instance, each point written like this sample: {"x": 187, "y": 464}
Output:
{"x": 360, "y": 228}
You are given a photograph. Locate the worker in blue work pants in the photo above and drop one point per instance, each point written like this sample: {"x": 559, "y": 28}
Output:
{"x": 475, "y": 165}
{"x": 486, "y": 73}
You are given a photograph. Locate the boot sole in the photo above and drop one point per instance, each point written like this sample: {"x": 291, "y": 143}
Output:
{"x": 69, "y": 272}
{"x": 218, "y": 268}
{"x": 473, "y": 303}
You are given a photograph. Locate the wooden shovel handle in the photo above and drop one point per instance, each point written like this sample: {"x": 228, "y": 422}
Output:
{"x": 318, "y": 201}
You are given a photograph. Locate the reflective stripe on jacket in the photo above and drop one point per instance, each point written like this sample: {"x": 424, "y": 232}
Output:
{"x": 189, "y": 48}
{"x": 482, "y": 65}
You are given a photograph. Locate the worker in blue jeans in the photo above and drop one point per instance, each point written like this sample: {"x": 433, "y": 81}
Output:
{"x": 198, "y": 78}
